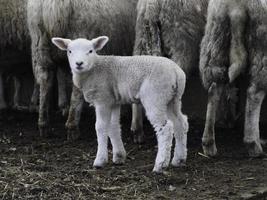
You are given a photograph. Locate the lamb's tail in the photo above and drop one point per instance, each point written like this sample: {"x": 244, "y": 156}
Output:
{"x": 238, "y": 54}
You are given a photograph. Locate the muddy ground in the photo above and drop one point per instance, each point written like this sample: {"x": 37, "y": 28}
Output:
{"x": 51, "y": 168}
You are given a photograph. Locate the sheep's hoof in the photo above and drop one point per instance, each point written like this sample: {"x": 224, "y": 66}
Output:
{"x": 64, "y": 110}
{"x": 254, "y": 149}
{"x": 178, "y": 163}
{"x": 263, "y": 142}
{"x": 33, "y": 108}
{"x": 138, "y": 136}
{"x": 44, "y": 132}
{"x": 73, "y": 134}
{"x": 209, "y": 148}
{"x": 119, "y": 158}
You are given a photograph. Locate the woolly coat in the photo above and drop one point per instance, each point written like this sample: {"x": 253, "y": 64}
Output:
{"x": 15, "y": 40}
{"x": 87, "y": 19}
{"x": 171, "y": 28}
{"x": 234, "y": 42}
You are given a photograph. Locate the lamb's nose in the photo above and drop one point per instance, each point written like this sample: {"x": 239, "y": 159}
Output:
{"x": 79, "y": 64}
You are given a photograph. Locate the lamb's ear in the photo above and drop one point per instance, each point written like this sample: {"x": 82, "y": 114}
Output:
{"x": 61, "y": 43}
{"x": 100, "y": 42}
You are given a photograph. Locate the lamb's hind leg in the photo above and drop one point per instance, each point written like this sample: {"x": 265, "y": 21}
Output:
{"x": 157, "y": 115}
{"x": 180, "y": 133}
{"x": 137, "y": 123}
{"x": 119, "y": 153}
{"x": 208, "y": 139}
{"x": 251, "y": 129}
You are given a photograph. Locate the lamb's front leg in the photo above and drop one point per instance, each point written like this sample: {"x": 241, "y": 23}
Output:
{"x": 103, "y": 119}
{"x": 137, "y": 123}
{"x": 251, "y": 130}
{"x": 208, "y": 139}
{"x": 119, "y": 153}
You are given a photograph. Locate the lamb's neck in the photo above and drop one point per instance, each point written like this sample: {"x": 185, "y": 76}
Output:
{"x": 79, "y": 79}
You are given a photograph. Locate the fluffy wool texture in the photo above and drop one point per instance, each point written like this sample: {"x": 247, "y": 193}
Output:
{"x": 13, "y": 25}
{"x": 171, "y": 28}
{"x": 235, "y": 42}
{"x": 109, "y": 81}
{"x": 14, "y": 45}
{"x": 75, "y": 18}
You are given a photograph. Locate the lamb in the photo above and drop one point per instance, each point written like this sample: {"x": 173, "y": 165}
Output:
{"x": 235, "y": 42}
{"x": 73, "y": 18}
{"x": 109, "y": 81}
{"x": 174, "y": 29}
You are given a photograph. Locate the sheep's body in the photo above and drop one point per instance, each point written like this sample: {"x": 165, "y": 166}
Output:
{"x": 75, "y": 18}
{"x": 156, "y": 82}
{"x": 14, "y": 43}
{"x": 235, "y": 38}
{"x": 171, "y": 28}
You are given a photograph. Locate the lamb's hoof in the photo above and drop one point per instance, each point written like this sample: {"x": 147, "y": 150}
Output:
{"x": 157, "y": 170}
{"x": 209, "y": 149}
{"x": 138, "y": 136}
{"x": 100, "y": 163}
{"x": 254, "y": 149}
{"x": 178, "y": 163}
{"x": 73, "y": 134}
{"x": 119, "y": 158}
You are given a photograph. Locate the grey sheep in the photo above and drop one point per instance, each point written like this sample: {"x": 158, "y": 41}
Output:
{"x": 14, "y": 43}
{"x": 170, "y": 28}
{"x": 75, "y": 18}
{"x": 110, "y": 81}
{"x": 235, "y": 42}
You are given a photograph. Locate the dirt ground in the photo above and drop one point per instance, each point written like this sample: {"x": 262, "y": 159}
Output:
{"x": 51, "y": 168}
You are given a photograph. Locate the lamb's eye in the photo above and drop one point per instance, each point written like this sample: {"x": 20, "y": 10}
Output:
{"x": 69, "y": 51}
{"x": 91, "y": 51}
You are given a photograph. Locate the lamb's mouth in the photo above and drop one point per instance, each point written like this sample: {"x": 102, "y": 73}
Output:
{"x": 79, "y": 68}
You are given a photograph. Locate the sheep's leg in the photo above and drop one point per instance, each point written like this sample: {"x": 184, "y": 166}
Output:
{"x": 2, "y": 99}
{"x": 157, "y": 116}
{"x": 208, "y": 139}
{"x": 180, "y": 133}
{"x": 17, "y": 89}
{"x": 103, "y": 119}
{"x": 137, "y": 123}
{"x": 119, "y": 153}
{"x": 62, "y": 92}
{"x": 34, "y": 98}
{"x": 251, "y": 129}
{"x": 46, "y": 82}
{"x": 74, "y": 116}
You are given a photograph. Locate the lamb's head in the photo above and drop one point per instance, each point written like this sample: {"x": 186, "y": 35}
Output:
{"x": 81, "y": 52}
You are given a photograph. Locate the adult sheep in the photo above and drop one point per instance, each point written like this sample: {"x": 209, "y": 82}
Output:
{"x": 14, "y": 43}
{"x": 75, "y": 18}
{"x": 15, "y": 53}
{"x": 171, "y": 28}
{"x": 235, "y": 39}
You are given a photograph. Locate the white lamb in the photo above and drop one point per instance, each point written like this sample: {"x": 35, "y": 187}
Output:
{"x": 109, "y": 81}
